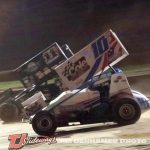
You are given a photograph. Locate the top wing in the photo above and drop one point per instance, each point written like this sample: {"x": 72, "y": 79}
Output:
{"x": 40, "y": 67}
{"x": 92, "y": 59}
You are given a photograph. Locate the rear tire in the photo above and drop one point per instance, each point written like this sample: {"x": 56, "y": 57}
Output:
{"x": 126, "y": 111}
{"x": 43, "y": 123}
{"x": 9, "y": 112}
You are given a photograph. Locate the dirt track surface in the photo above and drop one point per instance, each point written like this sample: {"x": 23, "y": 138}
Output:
{"x": 105, "y": 136}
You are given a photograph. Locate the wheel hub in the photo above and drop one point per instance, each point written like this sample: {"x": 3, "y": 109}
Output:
{"x": 127, "y": 111}
{"x": 44, "y": 123}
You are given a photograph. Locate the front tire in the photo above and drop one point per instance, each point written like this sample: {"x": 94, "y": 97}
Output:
{"x": 44, "y": 123}
{"x": 126, "y": 111}
{"x": 9, "y": 112}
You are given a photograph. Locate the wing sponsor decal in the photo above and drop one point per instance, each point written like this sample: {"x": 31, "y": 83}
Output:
{"x": 76, "y": 69}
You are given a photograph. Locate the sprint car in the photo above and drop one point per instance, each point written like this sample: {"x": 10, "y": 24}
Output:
{"x": 34, "y": 74}
{"x": 110, "y": 100}
{"x": 98, "y": 92}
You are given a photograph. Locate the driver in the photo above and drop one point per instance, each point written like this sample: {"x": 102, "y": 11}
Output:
{"x": 103, "y": 87}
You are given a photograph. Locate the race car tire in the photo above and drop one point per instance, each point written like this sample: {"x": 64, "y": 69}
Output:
{"x": 126, "y": 111}
{"x": 8, "y": 112}
{"x": 43, "y": 123}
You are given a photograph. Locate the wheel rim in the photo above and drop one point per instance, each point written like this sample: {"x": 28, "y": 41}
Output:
{"x": 127, "y": 111}
{"x": 44, "y": 124}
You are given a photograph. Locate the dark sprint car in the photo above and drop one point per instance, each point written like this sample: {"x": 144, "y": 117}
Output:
{"x": 34, "y": 75}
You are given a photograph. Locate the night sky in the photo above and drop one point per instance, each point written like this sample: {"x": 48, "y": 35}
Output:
{"x": 29, "y": 26}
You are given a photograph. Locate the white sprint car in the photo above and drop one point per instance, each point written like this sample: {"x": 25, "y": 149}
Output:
{"x": 97, "y": 91}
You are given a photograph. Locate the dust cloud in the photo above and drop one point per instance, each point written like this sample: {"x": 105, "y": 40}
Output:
{"x": 141, "y": 84}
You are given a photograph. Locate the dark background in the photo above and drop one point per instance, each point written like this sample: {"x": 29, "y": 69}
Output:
{"x": 29, "y": 26}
